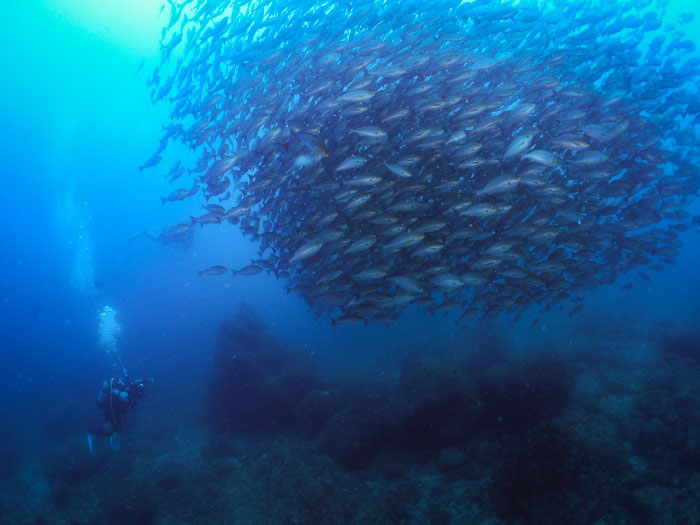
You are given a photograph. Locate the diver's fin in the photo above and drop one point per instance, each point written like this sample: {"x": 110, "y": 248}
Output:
{"x": 114, "y": 442}
{"x": 91, "y": 443}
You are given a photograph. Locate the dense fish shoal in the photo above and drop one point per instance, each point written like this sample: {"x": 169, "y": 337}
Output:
{"x": 482, "y": 158}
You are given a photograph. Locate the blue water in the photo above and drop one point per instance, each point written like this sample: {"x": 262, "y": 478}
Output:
{"x": 77, "y": 122}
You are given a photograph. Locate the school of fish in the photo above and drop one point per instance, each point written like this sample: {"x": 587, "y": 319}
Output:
{"x": 477, "y": 158}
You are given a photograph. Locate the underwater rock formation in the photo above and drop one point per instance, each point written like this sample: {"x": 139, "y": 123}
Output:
{"x": 433, "y": 406}
{"x": 670, "y": 410}
{"x": 519, "y": 396}
{"x": 256, "y": 382}
{"x": 547, "y": 470}
{"x": 258, "y": 385}
{"x": 354, "y": 436}
{"x": 684, "y": 345}
{"x": 320, "y": 404}
{"x": 10, "y": 458}
{"x": 556, "y": 476}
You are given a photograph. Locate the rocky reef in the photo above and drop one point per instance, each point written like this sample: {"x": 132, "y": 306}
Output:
{"x": 256, "y": 382}
{"x": 542, "y": 436}
{"x": 563, "y": 439}
{"x": 259, "y": 385}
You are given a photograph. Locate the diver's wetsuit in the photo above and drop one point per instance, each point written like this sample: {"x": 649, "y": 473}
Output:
{"x": 115, "y": 398}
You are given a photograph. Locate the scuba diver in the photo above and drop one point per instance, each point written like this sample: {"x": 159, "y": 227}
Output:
{"x": 115, "y": 398}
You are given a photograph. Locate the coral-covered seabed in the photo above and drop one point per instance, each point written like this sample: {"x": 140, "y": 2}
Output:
{"x": 607, "y": 430}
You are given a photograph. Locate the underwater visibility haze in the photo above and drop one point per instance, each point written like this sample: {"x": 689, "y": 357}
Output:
{"x": 291, "y": 261}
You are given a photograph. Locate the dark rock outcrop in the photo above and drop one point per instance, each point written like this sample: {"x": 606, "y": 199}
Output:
{"x": 260, "y": 386}
{"x": 683, "y": 345}
{"x": 256, "y": 382}
{"x": 432, "y": 407}
{"x": 556, "y": 476}
{"x": 353, "y": 436}
{"x": 547, "y": 470}
{"x": 519, "y": 397}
